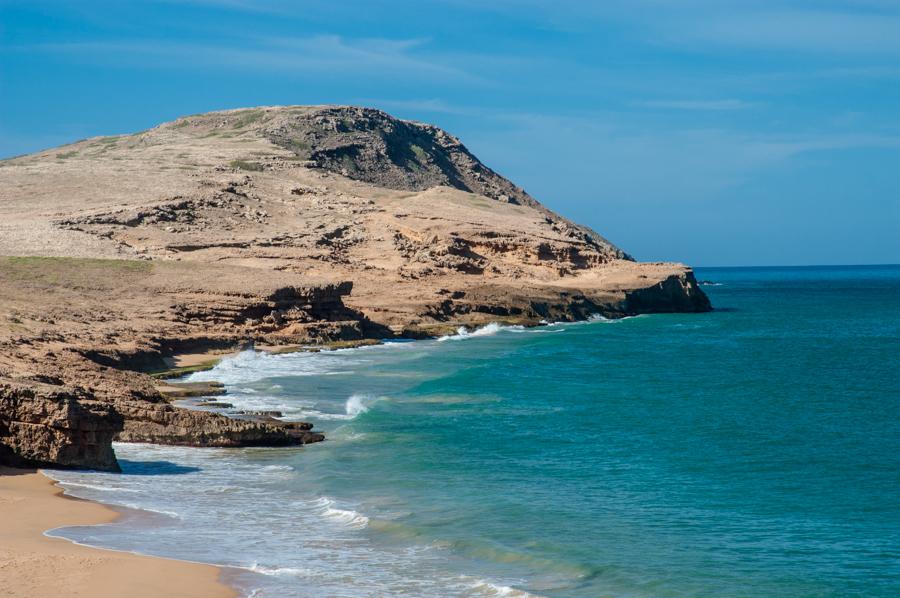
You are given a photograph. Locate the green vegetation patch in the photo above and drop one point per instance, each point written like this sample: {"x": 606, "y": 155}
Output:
{"x": 246, "y": 165}
{"x": 480, "y": 201}
{"x": 248, "y": 117}
{"x": 66, "y": 155}
{"x": 179, "y": 372}
{"x": 421, "y": 155}
{"x": 71, "y": 271}
{"x": 349, "y": 164}
{"x": 362, "y": 342}
{"x": 299, "y": 147}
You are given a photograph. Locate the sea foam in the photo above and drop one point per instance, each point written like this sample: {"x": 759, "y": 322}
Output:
{"x": 278, "y": 571}
{"x": 487, "y": 588}
{"x": 346, "y": 517}
{"x": 489, "y": 330}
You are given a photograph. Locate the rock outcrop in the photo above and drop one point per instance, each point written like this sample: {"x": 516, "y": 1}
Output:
{"x": 79, "y": 333}
{"x": 165, "y": 424}
{"x": 368, "y": 145}
{"x": 275, "y": 225}
{"x": 43, "y": 425}
{"x": 677, "y": 293}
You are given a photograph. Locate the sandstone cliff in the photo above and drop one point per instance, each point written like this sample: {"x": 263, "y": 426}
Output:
{"x": 277, "y": 225}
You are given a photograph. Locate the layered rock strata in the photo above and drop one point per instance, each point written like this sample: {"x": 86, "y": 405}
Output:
{"x": 276, "y": 225}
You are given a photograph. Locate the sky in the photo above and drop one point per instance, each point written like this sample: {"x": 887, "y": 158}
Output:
{"x": 712, "y": 132}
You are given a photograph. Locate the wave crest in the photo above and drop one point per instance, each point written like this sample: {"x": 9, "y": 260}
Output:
{"x": 345, "y": 517}
{"x": 277, "y": 571}
{"x": 357, "y": 404}
{"x": 490, "y": 589}
{"x": 489, "y": 330}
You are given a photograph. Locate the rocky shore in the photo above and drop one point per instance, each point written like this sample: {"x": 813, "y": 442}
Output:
{"x": 279, "y": 226}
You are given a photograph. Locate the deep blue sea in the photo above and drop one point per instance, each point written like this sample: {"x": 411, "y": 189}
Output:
{"x": 750, "y": 451}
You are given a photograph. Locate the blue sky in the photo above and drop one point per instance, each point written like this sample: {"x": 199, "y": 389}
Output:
{"x": 719, "y": 132}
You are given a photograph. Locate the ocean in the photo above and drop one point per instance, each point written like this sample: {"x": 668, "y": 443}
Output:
{"x": 750, "y": 451}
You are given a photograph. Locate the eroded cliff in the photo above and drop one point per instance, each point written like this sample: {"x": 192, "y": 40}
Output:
{"x": 279, "y": 225}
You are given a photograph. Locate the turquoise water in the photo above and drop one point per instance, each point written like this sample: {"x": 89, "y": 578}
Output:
{"x": 751, "y": 451}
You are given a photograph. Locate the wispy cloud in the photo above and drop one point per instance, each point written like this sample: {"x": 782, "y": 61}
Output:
{"x": 845, "y": 31}
{"x": 374, "y": 57}
{"x": 651, "y": 165}
{"x": 695, "y": 104}
{"x": 251, "y": 6}
{"x": 851, "y": 27}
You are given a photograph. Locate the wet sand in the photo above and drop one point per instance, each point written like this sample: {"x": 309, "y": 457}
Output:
{"x": 33, "y": 565}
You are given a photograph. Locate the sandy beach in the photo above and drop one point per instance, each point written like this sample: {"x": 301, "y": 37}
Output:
{"x": 35, "y": 566}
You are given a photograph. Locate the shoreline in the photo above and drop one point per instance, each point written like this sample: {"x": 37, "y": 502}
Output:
{"x": 110, "y": 571}
{"x": 36, "y": 565}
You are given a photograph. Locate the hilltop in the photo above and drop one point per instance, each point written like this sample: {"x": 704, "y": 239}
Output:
{"x": 275, "y": 225}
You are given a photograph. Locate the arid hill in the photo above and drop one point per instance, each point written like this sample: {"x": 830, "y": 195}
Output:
{"x": 276, "y": 225}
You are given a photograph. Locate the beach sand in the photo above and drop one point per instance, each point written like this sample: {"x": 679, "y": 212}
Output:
{"x": 35, "y": 566}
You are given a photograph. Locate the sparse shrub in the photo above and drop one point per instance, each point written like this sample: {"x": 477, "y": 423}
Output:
{"x": 348, "y": 164}
{"x": 299, "y": 147}
{"x": 247, "y": 118}
{"x": 421, "y": 155}
{"x": 245, "y": 165}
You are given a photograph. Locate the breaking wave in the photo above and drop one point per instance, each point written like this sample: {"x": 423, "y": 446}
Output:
{"x": 346, "y": 517}
{"x": 489, "y": 330}
{"x": 277, "y": 571}
{"x": 357, "y": 404}
{"x": 487, "y": 588}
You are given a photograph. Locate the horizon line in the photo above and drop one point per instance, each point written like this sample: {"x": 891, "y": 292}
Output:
{"x": 872, "y": 265}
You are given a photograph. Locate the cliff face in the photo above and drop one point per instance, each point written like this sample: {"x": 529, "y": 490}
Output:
{"x": 77, "y": 330}
{"x": 45, "y": 425}
{"x": 276, "y": 225}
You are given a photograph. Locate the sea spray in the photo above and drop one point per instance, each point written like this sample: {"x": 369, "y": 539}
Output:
{"x": 358, "y": 404}
{"x": 491, "y": 329}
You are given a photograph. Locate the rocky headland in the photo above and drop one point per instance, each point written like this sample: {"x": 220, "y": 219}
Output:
{"x": 278, "y": 226}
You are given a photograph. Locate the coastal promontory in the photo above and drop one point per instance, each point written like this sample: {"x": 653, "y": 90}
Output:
{"x": 280, "y": 227}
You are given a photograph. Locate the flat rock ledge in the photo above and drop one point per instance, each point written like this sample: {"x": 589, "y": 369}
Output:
{"x": 166, "y": 424}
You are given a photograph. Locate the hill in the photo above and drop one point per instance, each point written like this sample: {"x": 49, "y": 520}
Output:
{"x": 275, "y": 225}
